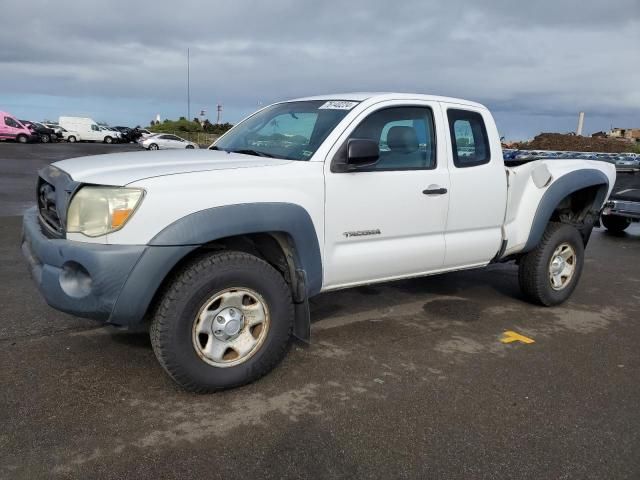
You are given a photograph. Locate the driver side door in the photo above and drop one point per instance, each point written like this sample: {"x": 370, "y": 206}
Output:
{"x": 388, "y": 220}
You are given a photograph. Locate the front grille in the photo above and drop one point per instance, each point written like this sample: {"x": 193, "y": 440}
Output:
{"x": 48, "y": 208}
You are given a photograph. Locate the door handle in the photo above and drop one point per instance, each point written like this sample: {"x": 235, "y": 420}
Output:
{"x": 435, "y": 191}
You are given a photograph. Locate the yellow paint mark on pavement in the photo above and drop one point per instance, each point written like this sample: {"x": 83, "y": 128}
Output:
{"x": 510, "y": 336}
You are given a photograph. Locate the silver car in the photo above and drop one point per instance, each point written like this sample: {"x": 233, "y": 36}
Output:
{"x": 163, "y": 141}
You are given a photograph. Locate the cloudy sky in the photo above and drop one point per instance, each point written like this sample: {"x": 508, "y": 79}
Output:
{"x": 534, "y": 63}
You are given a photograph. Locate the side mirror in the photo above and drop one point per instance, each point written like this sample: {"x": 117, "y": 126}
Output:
{"x": 362, "y": 152}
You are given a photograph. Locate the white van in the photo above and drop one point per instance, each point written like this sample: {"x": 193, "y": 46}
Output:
{"x": 87, "y": 128}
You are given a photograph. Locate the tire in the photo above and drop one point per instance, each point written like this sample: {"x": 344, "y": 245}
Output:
{"x": 615, "y": 223}
{"x": 45, "y": 139}
{"x": 216, "y": 279}
{"x": 153, "y": 146}
{"x": 72, "y": 139}
{"x": 189, "y": 147}
{"x": 108, "y": 140}
{"x": 22, "y": 139}
{"x": 540, "y": 268}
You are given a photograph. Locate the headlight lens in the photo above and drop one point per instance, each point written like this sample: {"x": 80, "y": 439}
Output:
{"x": 96, "y": 211}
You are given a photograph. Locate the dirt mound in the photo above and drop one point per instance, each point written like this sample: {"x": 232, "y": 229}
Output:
{"x": 574, "y": 143}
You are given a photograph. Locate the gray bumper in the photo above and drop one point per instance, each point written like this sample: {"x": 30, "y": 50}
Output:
{"x": 110, "y": 283}
{"x": 83, "y": 279}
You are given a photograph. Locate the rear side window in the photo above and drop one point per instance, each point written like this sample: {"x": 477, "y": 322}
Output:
{"x": 469, "y": 140}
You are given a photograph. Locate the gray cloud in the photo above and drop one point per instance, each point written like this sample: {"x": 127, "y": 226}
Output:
{"x": 540, "y": 58}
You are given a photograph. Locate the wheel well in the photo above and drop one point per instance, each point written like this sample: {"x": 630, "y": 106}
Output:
{"x": 576, "y": 207}
{"x": 580, "y": 209}
{"x": 276, "y": 248}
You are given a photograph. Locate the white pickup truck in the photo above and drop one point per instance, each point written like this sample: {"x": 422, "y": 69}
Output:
{"x": 218, "y": 251}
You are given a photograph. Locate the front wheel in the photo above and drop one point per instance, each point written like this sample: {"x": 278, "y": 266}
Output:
{"x": 72, "y": 139}
{"x": 45, "y": 139}
{"x": 108, "y": 140}
{"x": 224, "y": 321}
{"x": 22, "y": 139}
{"x": 189, "y": 147}
{"x": 615, "y": 223}
{"x": 549, "y": 273}
{"x": 153, "y": 146}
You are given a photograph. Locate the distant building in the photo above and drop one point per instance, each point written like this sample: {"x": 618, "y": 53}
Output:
{"x": 626, "y": 133}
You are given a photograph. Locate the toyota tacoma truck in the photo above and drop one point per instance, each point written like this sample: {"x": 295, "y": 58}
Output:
{"x": 218, "y": 251}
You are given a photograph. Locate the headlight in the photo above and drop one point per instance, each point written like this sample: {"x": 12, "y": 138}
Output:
{"x": 96, "y": 211}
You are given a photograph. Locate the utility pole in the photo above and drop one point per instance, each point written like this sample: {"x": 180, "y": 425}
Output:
{"x": 188, "y": 86}
{"x": 219, "y": 114}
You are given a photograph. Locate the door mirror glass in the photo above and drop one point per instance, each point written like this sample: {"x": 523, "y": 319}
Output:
{"x": 362, "y": 152}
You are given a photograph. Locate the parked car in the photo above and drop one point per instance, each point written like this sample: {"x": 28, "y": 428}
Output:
{"x": 221, "y": 249}
{"x": 165, "y": 141}
{"x": 12, "y": 129}
{"x": 69, "y": 136}
{"x": 127, "y": 134}
{"x": 87, "y": 128}
{"x": 56, "y": 128}
{"x": 46, "y": 134}
{"x": 115, "y": 134}
{"x": 623, "y": 207}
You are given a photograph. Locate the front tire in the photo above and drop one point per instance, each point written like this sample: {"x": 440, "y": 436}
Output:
{"x": 108, "y": 140}
{"x": 615, "y": 223}
{"x": 72, "y": 139}
{"x": 549, "y": 273}
{"x": 224, "y": 321}
{"x": 153, "y": 146}
{"x": 45, "y": 139}
{"x": 22, "y": 139}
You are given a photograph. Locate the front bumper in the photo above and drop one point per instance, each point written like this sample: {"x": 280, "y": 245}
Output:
{"x": 111, "y": 283}
{"x": 622, "y": 208}
{"x": 83, "y": 279}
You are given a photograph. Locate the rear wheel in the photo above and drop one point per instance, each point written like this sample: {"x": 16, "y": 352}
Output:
{"x": 224, "y": 321}
{"x": 72, "y": 139}
{"x": 615, "y": 223}
{"x": 45, "y": 139}
{"x": 108, "y": 140}
{"x": 153, "y": 146}
{"x": 549, "y": 273}
{"x": 189, "y": 147}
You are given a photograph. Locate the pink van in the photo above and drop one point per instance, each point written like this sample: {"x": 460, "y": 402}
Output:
{"x": 12, "y": 129}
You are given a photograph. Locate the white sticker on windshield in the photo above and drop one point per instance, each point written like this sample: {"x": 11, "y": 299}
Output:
{"x": 337, "y": 105}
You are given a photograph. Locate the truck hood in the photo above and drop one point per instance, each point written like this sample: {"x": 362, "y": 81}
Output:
{"x": 124, "y": 168}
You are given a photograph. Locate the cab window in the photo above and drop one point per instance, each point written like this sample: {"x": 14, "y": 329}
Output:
{"x": 405, "y": 136}
{"x": 469, "y": 140}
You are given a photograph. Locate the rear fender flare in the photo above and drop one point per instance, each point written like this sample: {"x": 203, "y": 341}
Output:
{"x": 559, "y": 190}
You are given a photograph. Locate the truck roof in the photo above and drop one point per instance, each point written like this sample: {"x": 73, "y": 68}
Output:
{"x": 380, "y": 96}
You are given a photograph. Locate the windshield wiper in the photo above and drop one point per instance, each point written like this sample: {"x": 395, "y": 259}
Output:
{"x": 248, "y": 151}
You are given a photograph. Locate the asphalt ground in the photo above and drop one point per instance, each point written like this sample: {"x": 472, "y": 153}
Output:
{"x": 402, "y": 380}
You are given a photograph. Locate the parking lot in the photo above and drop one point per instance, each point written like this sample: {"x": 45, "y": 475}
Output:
{"x": 402, "y": 380}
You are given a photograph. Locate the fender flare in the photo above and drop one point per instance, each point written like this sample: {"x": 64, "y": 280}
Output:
{"x": 557, "y": 191}
{"x": 215, "y": 223}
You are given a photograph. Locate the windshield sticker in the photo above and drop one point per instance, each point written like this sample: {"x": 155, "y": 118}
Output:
{"x": 337, "y": 105}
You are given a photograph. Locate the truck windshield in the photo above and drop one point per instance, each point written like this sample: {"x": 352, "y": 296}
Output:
{"x": 292, "y": 130}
